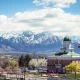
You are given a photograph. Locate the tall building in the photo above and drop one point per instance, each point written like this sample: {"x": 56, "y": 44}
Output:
{"x": 65, "y": 56}
{"x": 66, "y": 45}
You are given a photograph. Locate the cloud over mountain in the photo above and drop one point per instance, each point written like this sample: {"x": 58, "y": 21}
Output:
{"x": 47, "y": 19}
{"x": 52, "y": 19}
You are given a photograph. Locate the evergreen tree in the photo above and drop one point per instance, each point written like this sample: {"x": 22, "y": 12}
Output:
{"x": 21, "y": 61}
{"x": 27, "y": 60}
{"x": 24, "y": 61}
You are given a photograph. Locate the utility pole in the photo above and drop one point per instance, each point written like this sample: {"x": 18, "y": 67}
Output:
{"x": 24, "y": 72}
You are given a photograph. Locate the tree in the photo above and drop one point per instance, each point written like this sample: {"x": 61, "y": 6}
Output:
{"x": 24, "y": 61}
{"x": 34, "y": 63}
{"x": 21, "y": 61}
{"x": 4, "y": 63}
{"x": 13, "y": 65}
{"x": 42, "y": 62}
{"x": 38, "y": 62}
{"x": 73, "y": 67}
{"x": 27, "y": 59}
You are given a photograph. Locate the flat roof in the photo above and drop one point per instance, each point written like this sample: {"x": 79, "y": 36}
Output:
{"x": 63, "y": 57}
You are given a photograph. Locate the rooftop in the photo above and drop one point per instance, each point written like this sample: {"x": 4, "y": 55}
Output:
{"x": 67, "y": 38}
{"x": 68, "y": 54}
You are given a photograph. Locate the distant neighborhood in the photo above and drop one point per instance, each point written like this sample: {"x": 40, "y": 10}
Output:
{"x": 61, "y": 62}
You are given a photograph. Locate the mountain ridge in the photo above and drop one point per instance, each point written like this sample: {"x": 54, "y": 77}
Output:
{"x": 27, "y": 41}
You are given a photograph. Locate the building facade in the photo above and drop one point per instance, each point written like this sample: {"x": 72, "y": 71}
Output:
{"x": 59, "y": 60}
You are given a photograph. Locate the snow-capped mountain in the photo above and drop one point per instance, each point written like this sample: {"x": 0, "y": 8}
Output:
{"x": 27, "y": 41}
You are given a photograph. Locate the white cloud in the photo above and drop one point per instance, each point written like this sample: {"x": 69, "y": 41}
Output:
{"x": 54, "y": 20}
{"x": 55, "y": 3}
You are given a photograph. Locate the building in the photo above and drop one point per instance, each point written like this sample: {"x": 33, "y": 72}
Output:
{"x": 59, "y": 60}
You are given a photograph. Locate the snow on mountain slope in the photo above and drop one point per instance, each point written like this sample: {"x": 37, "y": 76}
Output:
{"x": 27, "y": 41}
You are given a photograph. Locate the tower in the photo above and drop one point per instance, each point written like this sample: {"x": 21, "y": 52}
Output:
{"x": 66, "y": 45}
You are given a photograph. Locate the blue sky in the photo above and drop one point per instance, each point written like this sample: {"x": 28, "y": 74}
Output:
{"x": 60, "y": 17}
{"x": 74, "y": 8}
{"x": 10, "y": 7}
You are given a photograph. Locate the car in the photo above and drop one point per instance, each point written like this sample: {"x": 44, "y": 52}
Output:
{"x": 44, "y": 70}
{"x": 49, "y": 77}
{"x": 65, "y": 77}
{"x": 24, "y": 69}
{"x": 53, "y": 77}
{"x": 44, "y": 75}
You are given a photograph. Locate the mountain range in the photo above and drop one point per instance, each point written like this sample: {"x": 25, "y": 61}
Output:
{"x": 27, "y": 41}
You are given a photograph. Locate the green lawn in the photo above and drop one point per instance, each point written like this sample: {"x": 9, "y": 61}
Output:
{"x": 71, "y": 75}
